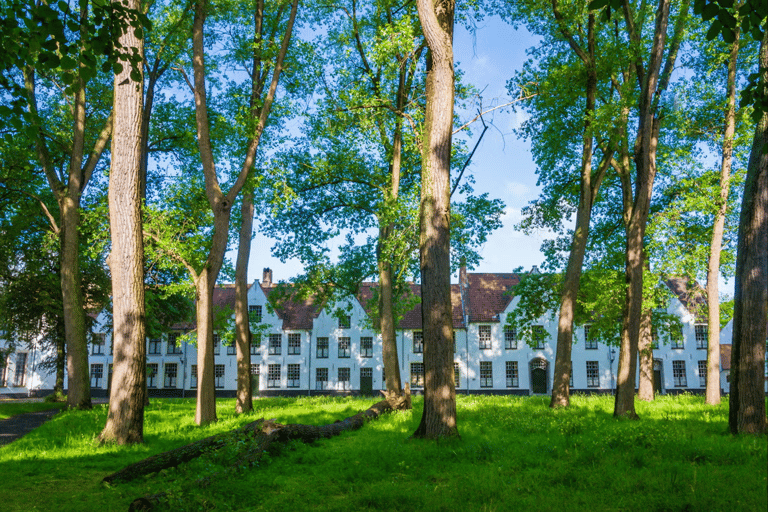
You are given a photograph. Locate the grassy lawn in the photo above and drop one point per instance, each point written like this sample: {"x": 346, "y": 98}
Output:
{"x": 8, "y": 409}
{"x": 514, "y": 454}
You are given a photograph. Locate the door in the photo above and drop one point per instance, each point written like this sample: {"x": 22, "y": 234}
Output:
{"x": 657, "y": 376}
{"x": 366, "y": 381}
{"x": 539, "y": 380}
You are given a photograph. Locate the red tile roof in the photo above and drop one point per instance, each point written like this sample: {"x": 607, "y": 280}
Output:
{"x": 691, "y": 295}
{"x": 488, "y": 295}
{"x": 412, "y": 318}
{"x": 296, "y": 313}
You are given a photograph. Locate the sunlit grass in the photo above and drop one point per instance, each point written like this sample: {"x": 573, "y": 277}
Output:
{"x": 8, "y": 409}
{"x": 514, "y": 453}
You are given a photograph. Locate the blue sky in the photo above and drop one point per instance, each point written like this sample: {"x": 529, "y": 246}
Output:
{"x": 502, "y": 165}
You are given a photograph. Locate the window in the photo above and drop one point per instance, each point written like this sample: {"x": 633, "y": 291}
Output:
{"x": 322, "y": 348}
{"x": 171, "y": 372}
{"x": 97, "y": 375}
{"x": 99, "y": 340}
{"x": 193, "y": 377}
{"x": 678, "y": 374}
{"x": 677, "y": 337}
{"x": 294, "y": 374}
{"x": 366, "y": 346}
{"x": 702, "y": 374}
{"x": 152, "y": 375}
{"x": 275, "y": 344}
{"x": 254, "y": 313}
{"x": 216, "y": 344}
{"x": 294, "y": 344}
{"x": 513, "y": 375}
{"x": 590, "y": 343}
{"x": 273, "y": 376}
{"x": 321, "y": 378}
{"x": 154, "y": 347}
{"x": 418, "y": 342}
{"x": 486, "y": 374}
{"x": 345, "y": 322}
{"x": 218, "y": 375}
{"x": 344, "y": 378}
{"x": 255, "y": 343}
{"x": 173, "y": 348}
{"x": 701, "y": 332}
{"x": 417, "y": 375}
{"x": 255, "y": 370}
{"x": 510, "y": 337}
{"x": 231, "y": 349}
{"x": 457, "y": 374}
{"x": 344, "y": 350}
{"x": 593, "y": 374}
{"x": 484, "y": 334}
{"x": 539, "y": 336}
{"x": 3, "y": 366}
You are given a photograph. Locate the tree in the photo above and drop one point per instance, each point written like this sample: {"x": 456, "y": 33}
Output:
{"x": 125, "y": 421}
{"x": 219, "y": 202}
{"x": 750, "y": 319}
{"x": 439, "y": 417}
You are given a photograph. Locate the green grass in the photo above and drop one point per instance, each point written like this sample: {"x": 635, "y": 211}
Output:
{"x": 514, "y": 454}
{"x": 8, "y": 409}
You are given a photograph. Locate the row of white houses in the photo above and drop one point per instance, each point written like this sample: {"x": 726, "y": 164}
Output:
{"x": 305, "y": 348}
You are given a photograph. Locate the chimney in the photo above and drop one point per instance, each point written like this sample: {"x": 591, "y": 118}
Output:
{"x": 267, "y": 279}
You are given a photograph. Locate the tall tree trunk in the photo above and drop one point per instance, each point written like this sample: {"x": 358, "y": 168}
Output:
{"x": 750, "y": 316}
{"x": 645, "y": 165}
{"x": 716, "y": 244}
{"x": 219, "y": 202}
{"x": 242, "y": 324}
{"x": 645, "y": 352}
{"x": 562, "y": 375}
{"x": 125, "y": 421}
{"x": 439, "y": 417}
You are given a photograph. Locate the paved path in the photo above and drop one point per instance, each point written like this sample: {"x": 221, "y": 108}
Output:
{"x": 20, "y": 425}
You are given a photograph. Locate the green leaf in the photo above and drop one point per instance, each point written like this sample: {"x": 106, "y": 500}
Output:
{"x": 598, "y": 4}
{"x": 714, "y": 30}
{"x": 710, "y": 11}
{"x": 729, "y": 36}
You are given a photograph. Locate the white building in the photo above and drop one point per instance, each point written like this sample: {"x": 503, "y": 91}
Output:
{"x": 307, "y": 348}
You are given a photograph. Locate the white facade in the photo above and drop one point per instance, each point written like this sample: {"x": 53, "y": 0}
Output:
{"x": 304, "y": 349}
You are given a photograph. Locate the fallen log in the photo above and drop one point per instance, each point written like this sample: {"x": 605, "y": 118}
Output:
{"x": 264, "y": 434}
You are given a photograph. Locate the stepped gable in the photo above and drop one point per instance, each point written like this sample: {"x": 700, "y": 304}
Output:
{"x": 412, "y": 318}
{"x": 489, "y": 295}
{"x": 296, "y": 313}
{"x": 692, "y": 296}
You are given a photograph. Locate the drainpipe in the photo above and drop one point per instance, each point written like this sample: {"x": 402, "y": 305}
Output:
{"x": 309, "y": 375}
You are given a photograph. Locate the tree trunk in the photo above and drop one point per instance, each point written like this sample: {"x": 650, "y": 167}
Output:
{"x": 242, "y": 321}
{"x": 259, "y": 429}
{"x": 645, "y": 164}
{"x": 750, "y": 316}
{"x": 61, "y": 361}
{"x": 439, "y": 417}
{"x": 715, "y": 247}
{"x": 562, "y": 376}
{"x": 205, "y": 410}
{"x": 645, "y": 351}
{"x": 387, "y": 320}
{"x": 125, "y": 421}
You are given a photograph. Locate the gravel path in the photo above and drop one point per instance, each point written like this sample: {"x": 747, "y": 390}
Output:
{"x": 20, "y": 425}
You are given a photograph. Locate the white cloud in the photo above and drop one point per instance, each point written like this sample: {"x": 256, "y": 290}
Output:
{"x": 519, "y": 190}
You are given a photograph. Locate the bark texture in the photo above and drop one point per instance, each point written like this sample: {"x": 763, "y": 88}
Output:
{"x": 125, "y": 421}
{"x": 750, "y": 316}
{"x": 439, "y": 417}
{"x": 645, "y": 353}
